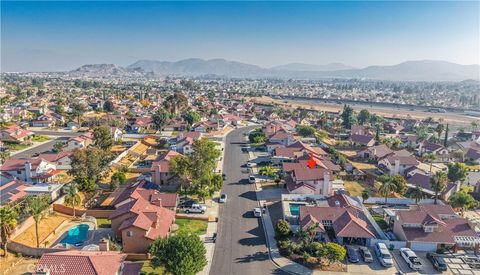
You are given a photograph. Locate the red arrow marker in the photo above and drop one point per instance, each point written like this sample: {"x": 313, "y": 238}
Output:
{"x": 311, "y": 162}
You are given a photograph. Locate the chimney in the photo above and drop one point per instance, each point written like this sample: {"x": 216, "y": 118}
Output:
{"x": 374, "y": 151}
{"x": 103, "y": 245}
{"x": 157, "y": 202}
{"x": 396, "y": 169}
{"x": 337, "y": 203}
{"x": 28, "y": 171}
{"x": 327, "y": 185}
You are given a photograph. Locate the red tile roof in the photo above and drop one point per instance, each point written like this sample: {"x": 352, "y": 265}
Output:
{"x": 75, "y": 262}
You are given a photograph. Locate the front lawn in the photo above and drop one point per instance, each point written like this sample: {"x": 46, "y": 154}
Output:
{"x": 353, "y": 188}
{"x": 12, "y": 146}
{"x": 197, "y": 227}
{"x": 380, "y": 221}
{"x": 147, "y": 269}
{"x": 40, "y": 138}
{"x": 104, "y": 223}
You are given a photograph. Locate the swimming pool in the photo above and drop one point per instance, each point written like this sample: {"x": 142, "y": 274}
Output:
{"x": 76, "y": 235}
{"x": 295, "y": 208}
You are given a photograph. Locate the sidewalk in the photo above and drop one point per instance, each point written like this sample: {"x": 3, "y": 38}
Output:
{"x": 209, "y": 246}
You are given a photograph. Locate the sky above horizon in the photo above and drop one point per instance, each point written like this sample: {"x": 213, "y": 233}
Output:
{"x": 51, "y": 36}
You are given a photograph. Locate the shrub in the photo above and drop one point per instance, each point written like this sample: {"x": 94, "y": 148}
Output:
{"x": 282, "y": 229}
{"x": 285, "y": 247}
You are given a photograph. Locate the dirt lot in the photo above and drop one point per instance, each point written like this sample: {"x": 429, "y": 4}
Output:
{"x": 451, "y": 118}
{"x": 46, "y": 225}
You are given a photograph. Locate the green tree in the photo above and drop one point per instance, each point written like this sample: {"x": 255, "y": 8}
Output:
{"x": 363, "y": 116}
{"x": 4, "y": 155}
{"x": 182, "y": 254}
{"x": 180, "y": 169}
{"x": 160, "y": 119}
{"x": 192, "y": 117}
{"x": 57, "y": 147}
{"x": 430, "y": 157}
{"x": 86, "y": 167}
{"x": 365, "y": 195}
{"x": 457, "y": 172}
{"x": 459, "y": 154}
{"x": 108, "y": 106}
{"x": 445, "y": 140}
{"x": 462, "y": 200}
{"x": 102, "y": 138}
{"x": 72, "y": 198}
{"x": 348, "y": 117}
{"x": 417, "y": 194}
{"x": 335, "y": 252}
{"x": 36, "y": 206}
{"x": 305, "y": 131}
{"x": 176, "y": 103}
{"x": 438, "y": 183}
{"x": 77, "y": 110}
{"x": 388, "y": 186}
{"x": 8, "y": 222}
{"x": 440, "y": 128}
{"x": 256, "y": 136}
{"x": 282, "y": 229}
{"x": 117, "y": 178}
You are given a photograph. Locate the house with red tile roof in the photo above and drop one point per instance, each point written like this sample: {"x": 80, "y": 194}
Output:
{"x": 81, "y": 262}
{"x": 138, "y": 223}
{"x": 12, "y": 191}
{"x": 148, "y": 191}
{"x": 14, "y": 133}
{"x": 34, "y": 170}
{"x": 430, "y": 227}
{"x": 79, "y": 142}
{"x": 398, "y": 162}
{"x": 346, "y": 221}
{"x": 304, "y": 180}
{"x": 160, "y": 169}
{"x": 362, "y": 140}
{"x": 62, "y": 160}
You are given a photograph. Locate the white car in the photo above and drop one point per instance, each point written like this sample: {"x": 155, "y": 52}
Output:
{"x": 223, "y": 198}
{"x": 411, "y": 258}
{"x": 251, "y": 179}
{"x": 383, "y": 254}
{"x": 257, "y": 212}
{"x": 251, "y": 164}
{"x": 196, "y": 208}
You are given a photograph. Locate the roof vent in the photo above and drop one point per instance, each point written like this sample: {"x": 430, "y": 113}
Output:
{"x": 337, "y": 203}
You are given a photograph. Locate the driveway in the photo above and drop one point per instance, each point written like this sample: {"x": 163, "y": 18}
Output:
{"x": 427, "y": 267}
{"x": 241, "y": 244}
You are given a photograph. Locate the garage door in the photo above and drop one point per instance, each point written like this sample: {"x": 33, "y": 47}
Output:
{"x": 419, "y": 246}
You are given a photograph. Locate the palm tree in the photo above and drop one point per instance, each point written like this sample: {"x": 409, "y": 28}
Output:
{"x": 438, "y": 183}
{"x": 36, "y": 205}
{"x": 72, "y": 198}
{"x": 365, "y": 195}
{"x": 4, "y": 155}
{"x": 430, "y": 158}
{"x": 8, "y": 221}
{"x": 387, "y": 188}
{"x": 417, "y": 194}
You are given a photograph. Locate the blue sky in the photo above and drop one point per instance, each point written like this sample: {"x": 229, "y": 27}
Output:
{"x": 38, "y": 36}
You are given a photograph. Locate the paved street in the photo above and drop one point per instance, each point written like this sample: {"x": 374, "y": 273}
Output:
{"x": 47, "y": 132}
{"x": 45, "y": 147}
{"x": 241, "y": 245}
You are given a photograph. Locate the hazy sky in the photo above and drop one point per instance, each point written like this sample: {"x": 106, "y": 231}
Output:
{"x": 43, "y": 36}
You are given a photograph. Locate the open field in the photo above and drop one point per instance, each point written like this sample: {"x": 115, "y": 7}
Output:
{"x": 451, "y": 118}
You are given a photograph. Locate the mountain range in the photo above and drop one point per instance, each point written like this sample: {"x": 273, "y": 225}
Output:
{"x": 421, "y": 70}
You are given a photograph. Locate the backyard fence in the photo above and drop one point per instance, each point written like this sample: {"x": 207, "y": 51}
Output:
{"x": 97, "y": 213}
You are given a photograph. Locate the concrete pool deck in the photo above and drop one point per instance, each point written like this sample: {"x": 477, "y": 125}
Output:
{"x": 61, "y": 232}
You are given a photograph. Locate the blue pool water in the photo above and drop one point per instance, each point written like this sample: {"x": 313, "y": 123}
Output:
{"x": 76, "y": 235}
{"x": 295, "y": 208}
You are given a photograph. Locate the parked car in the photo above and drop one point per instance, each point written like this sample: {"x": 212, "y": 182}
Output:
{"x": 366, "y": 255}
{"x": 411, "y": 258}
{"x": 257, "y": 212}
{"x": 223, "y": 198}
{"x": 196, "y": 208}
{"x": 251, "y": 164}
{"x": 383, "y": 255}
{"x": 352, "y": 255}
{"x": 224, "y": 177}
{"x": 187, "y": 203}
{"x": 437, "y": 261}
{"x": 251, "y": 179}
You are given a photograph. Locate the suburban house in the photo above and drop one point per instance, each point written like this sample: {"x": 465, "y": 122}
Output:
{"x": 148, "y": 191}
{"x": 362, "y": 140}
{"x": 15, "y": 134}
{"x": 422, "y": 180}
{"x": 62, "y": 160}
{"x": 295, "y": 150}
{"x": 30, "y": 170}
{"x": 304, "y": 180}
{"x": 82, "y": 262}
{"x": 432, "y": 227}
{"x": 80, "y": 142}
{"x": 12, "y": 191}
{"x": 431, "y": 148}
{"x": 117, "y": 133}
{"x": 281, "y": 137}
{"x": 48, "y": 119}
{"x": 398, "y": 162}
{"x": 375, "y": 152}
{"x": 341, "y": 216}
{"x": 138, "y": 223}
{"x": 473, "y": 155}
{"x": 160, "y": 168}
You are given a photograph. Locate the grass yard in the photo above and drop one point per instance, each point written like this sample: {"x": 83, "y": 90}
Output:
{"x": 348, "y": 153}
{"x": 191, "y": 226}
{"x": 104, "y": 223}
{"x": 17, "y": 146}
{"x": 380, "y": 221}
{"x": 354, "y": 188}
{"x": 40, "y": 138}
{"x": 362, "y": 166}
{"x": 147, "y": 269}
{"x": 45, "y": 227}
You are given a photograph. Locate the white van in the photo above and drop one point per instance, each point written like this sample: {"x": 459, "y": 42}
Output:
{"x": 383, "y": 254}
